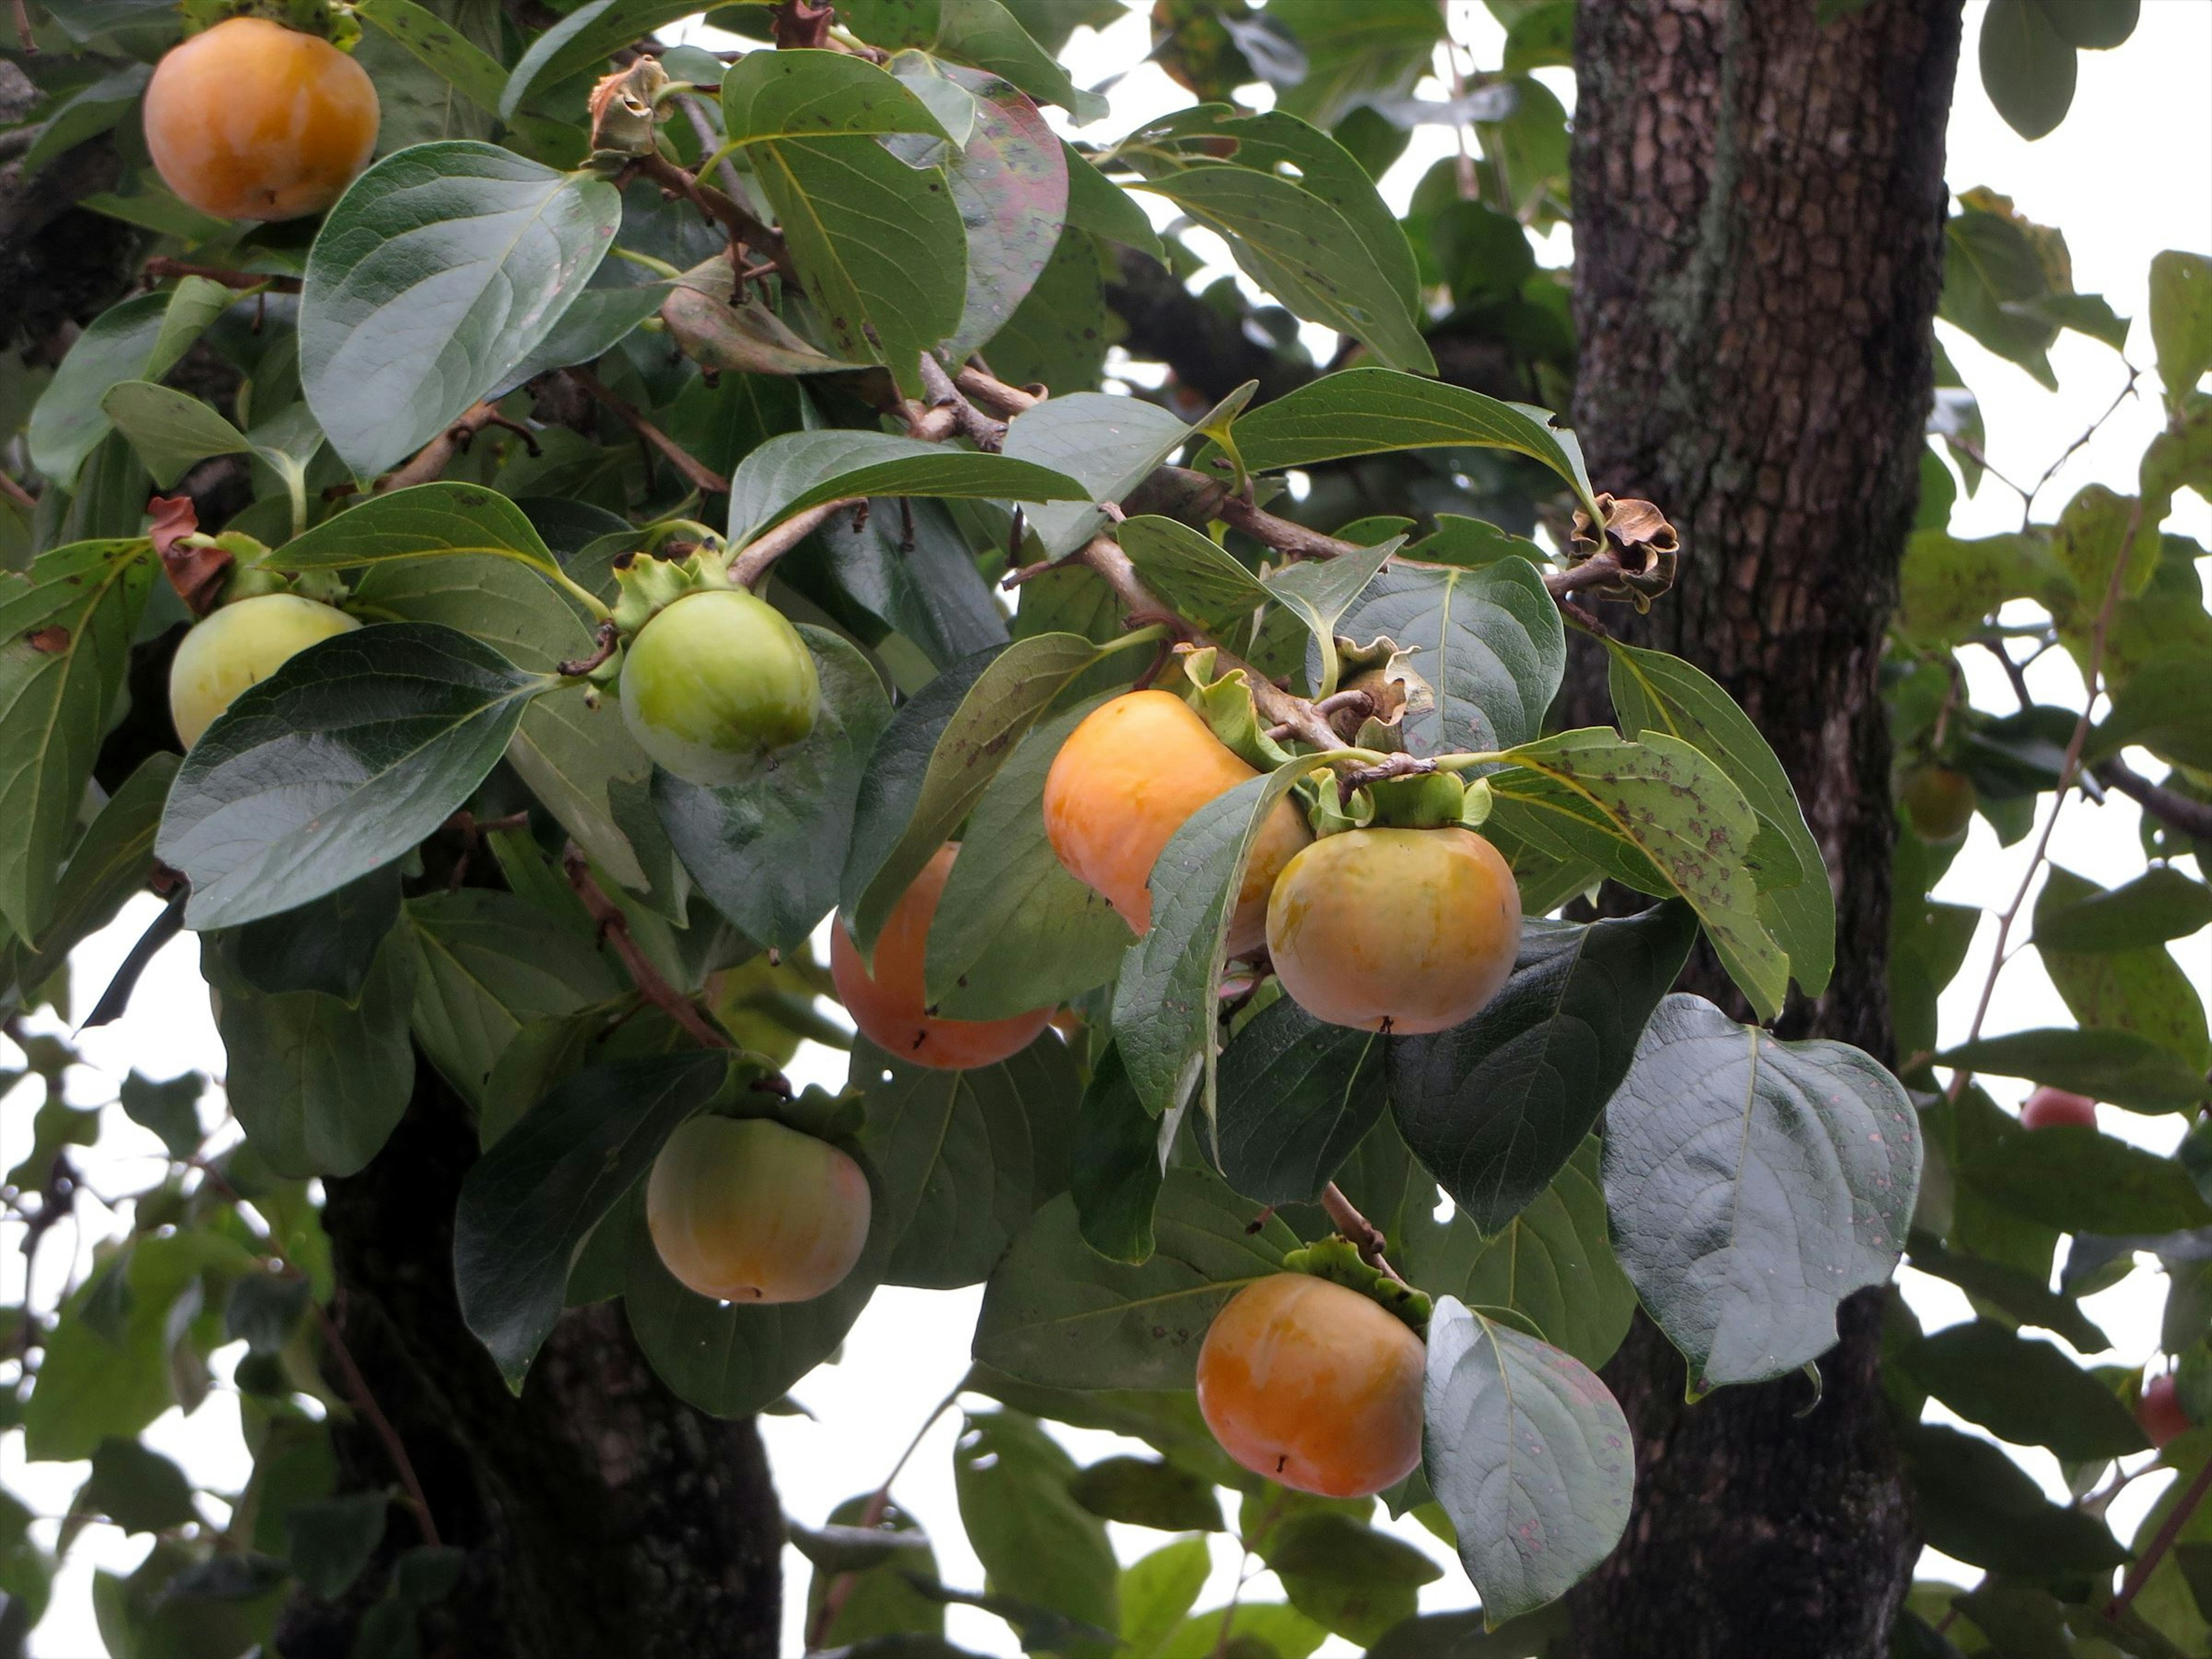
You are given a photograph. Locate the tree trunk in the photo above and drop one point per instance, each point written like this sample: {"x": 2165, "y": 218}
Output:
{"x": 599, "y": 1514}
{"x": 1759, "y": 203}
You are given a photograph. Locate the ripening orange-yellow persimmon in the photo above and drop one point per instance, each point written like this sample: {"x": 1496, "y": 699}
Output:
{"x": 252, "y": 120}
{"x": 1403, "y": 930}
{"x": 890, "y": 1005}
{"x": 744, "y": 1209}
{"x": 1313, "y": 1385}
{"x": 241, "y": 644}
{"x": 1124, "y": 782}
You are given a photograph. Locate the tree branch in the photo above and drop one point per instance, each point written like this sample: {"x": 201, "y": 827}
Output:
{"x": 726, "y": 210}
{"x": 755, "y": 557}
{"x": 980, "y": 428}
{"x": 431, "y": 460}
{"x": 2174, "y": 810}
{"x": 614, "y": 928}
{"x": 696, "y": 472}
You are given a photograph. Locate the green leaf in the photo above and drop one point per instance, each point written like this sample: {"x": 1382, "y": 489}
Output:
{"x": 934, "y": 761}
{"x": 341, "y": 761}
{"x": 107, "y": 868}
{"x": 1156, "y": 1590}
{"x": 1300, "y": 216}
{"x": 1658, "y": 816}
{"x": 1164, "y": 998}
{"x": 2022, "y": 1296}
{"x": 441, "y": 48}
{"x": 2024, "y": 1391}
{"x": 1347, "y": 1576}
{"x": 1653, "y": 691}
{"x": 96, "y": 108}
{"x": 967, "y": 1155}
{"x": 1975, "y": 1504}
{"x": 767, "y": 851}
{"x": 137, "y": 1488}
{"x": 880, "y": 1601}
{"x": 317, "y": 1084}
{"x": 65, "y": 631}
{"x": 1193, "y": 573}
{"x": 170, "y": 1109}
{"x": 1096, "y": 204}
{"x": 584, "y": 39}
{"x": 1549, "y": 1269}
{"x": 1318, "y": 592}
{"x": 911, "y": 565}
{"x": 1110, "y": 444}
{"x": 330, "y": 1539}
{"x": 1753, "y": 1184}
{"x": 988, "y": 34}
{"x": 1297, "y": 1096}
{"x": 2027, "y": 67}
{"x": 1058, "y": 1313}
{"x": 438, "y": 273}
{"x": 98, "y": 1383}
{"x": 1119, "y": 1159}
{"x": 1494, "y": 1108}
{"x": 1243, "y": 1627}
{"x": 747, "y": 339}
{"x": 771, "y": 96}
{"x": 329, "y": 945}
{"x": 1014, "y": 930}
{"x": 2078, "y": 1180}
{"x": 1356, "y": 53}
{"x": 528, "y": 1204}
{"x": 1144, "y": 1491}
{"x": 172, "y": 431}
{"x": 428, "y": 521}
{"x": 1373, "y": 412}
{"x": 2125, "y": 980}
{"x": 141, "y": 339}
{"x": 733, "y": 1359}
{"x": 2093, "y": 538}
{"x": 1492, "y": 646}
{"x": 2118, "y": 1066}
{"x": 789, "y": 474}
{"x": 490, "y": 963}
{"x": 2181, "y": 320}
{"x": 1036, "y": 1541}
{"x": 2165, "y": 706}
{"x": 1528, "y": 1454}
{"x": 1991, "y": 269}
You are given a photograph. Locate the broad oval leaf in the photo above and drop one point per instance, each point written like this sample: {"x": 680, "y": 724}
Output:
{"x": 1529, "y": 1455}
{"x": 583, "y": 39}
{"x": 1296, "y": 1096}
{"x": 1010, "y": 183}
{"x": 2159, "y": 905}
{"x": 341, "y": 761}
{"x": 767, "y": 853}
{"x": 107, "y": 868}
{"x": 798, "y": 470}
{"x": 65, "y": 630}
{"x": 172, "y": 430}
{"x": 528, "y": 1204}
{"x": 1035, "y": 1540}
{"x": 1369, "y": 411}
{"x": 1495, "y": 1106}
{"x": 2072, "y": 1179}
{"x": 1975, "y": 1504}
{"x": 427, "y": 521}
{"x": 140, "y": 339}
{"x": 1058, "y": 1313}
{"x": 1653, "y": 691}
{"x": 1119, "y": 1159}
{"x": 1110, "y": 444}
{"x": 1753, "y": 1185}
{"x": 1491, "y": 644}
{"x": 966, "y": 1156}
{"x": 2118, "y": 1066}
{"x": 2022, "y": 1391}
{"x": 813, "y": 94}
{"x": 439, "y": 272}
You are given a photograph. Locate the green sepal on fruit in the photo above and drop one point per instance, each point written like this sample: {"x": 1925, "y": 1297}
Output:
{"x": 1223, "y": 702}
{"x": 1427, "y": 800}
{"x": 1337, "y": 1259}
{"x": 335, "y": 23}
{"x": 715, "y": 679}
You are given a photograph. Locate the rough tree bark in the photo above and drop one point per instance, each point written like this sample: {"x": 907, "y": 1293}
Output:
{"x": 600, "y": 1515}
{"x": 1759, "y": 203}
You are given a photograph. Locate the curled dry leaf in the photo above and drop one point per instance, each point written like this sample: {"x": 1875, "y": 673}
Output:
{"x": 623, "y": 111}
{"x": 1640, "y": 540}
{"x": 196, "y": 573}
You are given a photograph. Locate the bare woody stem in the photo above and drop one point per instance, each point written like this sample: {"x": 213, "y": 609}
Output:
{"x": 978, "y": 427}
{"x": 357, "y": 1392}
{"x": 431, "y": 461}
{"x": 614, "y": 928}
{"x": 2174, "y": 810}
{"x": 724, "y": 209}
{"x": 162, "y": 269}
{"x": 1366, "y": 1237}
{"x": 2161, "y": 1542}
{"x": 696, "y": 473}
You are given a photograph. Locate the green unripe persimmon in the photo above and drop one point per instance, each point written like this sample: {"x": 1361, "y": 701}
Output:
{"x": 717, "y": 682}
{"x": 239, "y": 645}
{"x": 745, "y": 1210}
{"x": 1939, "y": 802}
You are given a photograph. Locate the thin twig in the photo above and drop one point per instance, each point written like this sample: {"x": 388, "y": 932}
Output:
{"x": 1366, "y": 1237}
{"x": 2068, "y": 454}
{"x": 16, "y": 493}
{"x": 980, "y": 428}
{"x": 696, "y": 472}
{"x": 726, "y": 210}
{"x": 993, "y": 393}
{"x": 357, "y": 1388}
{"x": 431, "y": 461}
{"x": 244, "y": 280}
{"x": 614, "y": 928}
{"x": 756, "y": 555}
{"x": 2162, "y": 1541}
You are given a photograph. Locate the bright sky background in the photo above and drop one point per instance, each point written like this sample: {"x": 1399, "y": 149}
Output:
{"x": 2129, "y": 173}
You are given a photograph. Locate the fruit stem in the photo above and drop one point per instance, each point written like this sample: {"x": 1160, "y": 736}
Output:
{"x": 1366, "y": 1237}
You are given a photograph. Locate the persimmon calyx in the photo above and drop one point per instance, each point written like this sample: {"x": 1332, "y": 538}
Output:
{"x": 1337, "y": 1259}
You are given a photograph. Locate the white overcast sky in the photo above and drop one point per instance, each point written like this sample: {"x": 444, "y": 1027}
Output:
{"x": 2127, "y": 174}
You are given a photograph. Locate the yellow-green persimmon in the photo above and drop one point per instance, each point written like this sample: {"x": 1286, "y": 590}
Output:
{"x": 715, "y": 684}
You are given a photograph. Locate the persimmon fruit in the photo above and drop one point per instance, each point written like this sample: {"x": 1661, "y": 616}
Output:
{"x": 2048, "y": 1106}
{"x": 890, "y": 1004}
{"x": 2160, "y": 1412}
{"x": 745, "y": 1210}
{"x": 234, "y": 647}
{"x": 1313, "y": 1385}
{"x": 1402, "y": 931}
{"x": 715, "y": 684}
{"x": 252, "y": 120}
{"x": 1939, "y": 802}
{"x": 1127, "y": 779}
